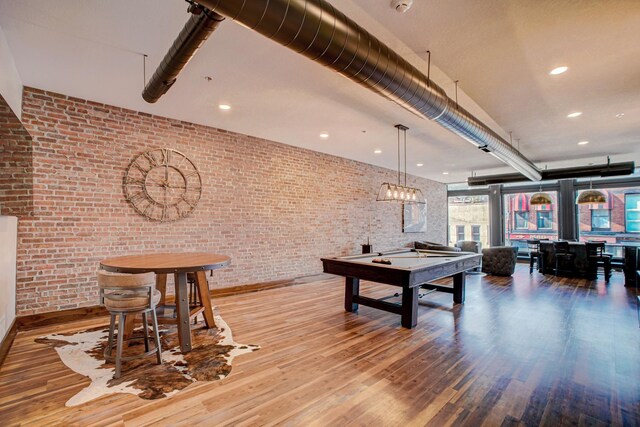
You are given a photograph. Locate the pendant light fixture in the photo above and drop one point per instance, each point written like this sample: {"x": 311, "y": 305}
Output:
{"x": 400, "y": 192}
{"x": 591, "y": 196}
{"x": 540, "y": 198}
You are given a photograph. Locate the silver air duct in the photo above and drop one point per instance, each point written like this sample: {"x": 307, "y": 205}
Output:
{"x": 323, "y": 34}
{"x": 197, "y": 29}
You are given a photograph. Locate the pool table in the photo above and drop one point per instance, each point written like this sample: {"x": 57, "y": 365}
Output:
{"x": 410, "y": 269}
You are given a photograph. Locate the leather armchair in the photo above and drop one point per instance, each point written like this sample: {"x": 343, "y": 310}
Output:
{"x": 469, "y": 246}
{"x": 499, "y": 260}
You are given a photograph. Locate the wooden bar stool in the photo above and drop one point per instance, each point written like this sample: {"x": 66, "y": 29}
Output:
{"x": 128, "y": 295}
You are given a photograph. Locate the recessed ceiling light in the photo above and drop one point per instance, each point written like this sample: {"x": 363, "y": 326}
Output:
{"x": 575, "y": 114}
{"x": 445, "y": 173}
{"x": 324, "y": 135}
{"x": 558, "y": 70}
{"x": 619, "y": 115}
{"x": 583, "y": 142}
{"x": 420, "y": 165}
{"x": 377, "y": 151}
{"x": 224, "y": 107}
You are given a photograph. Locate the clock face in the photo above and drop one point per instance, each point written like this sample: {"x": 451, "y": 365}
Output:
{"x": 162, "y": 184}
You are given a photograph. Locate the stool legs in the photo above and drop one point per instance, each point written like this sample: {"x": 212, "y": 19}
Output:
{"x": 154, "y": 321}
{"x": 123, "y": 318}
{"x": 112, "y": 328}
{"x": 145, "y": 328}
{"x": 531, "y": 259}
{"x": 120, "y": 339}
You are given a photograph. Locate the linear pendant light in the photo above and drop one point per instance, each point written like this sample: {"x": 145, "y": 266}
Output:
{"x": 396, "y": 192}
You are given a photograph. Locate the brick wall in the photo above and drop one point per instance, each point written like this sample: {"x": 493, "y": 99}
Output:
{"x": 275, "y": 209}
{"x": 16, "y": 164}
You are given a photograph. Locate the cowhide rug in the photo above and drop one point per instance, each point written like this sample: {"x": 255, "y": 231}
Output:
{"x": 210, "y": 360}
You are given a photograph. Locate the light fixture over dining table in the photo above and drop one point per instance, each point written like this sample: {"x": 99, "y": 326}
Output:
{"x": 400, "y": 192}
{"x": 591, "y": 196}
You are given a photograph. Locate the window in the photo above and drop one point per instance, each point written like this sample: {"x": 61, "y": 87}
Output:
{"x": 475, "y": 232}
{"x": 544, "y": 220}
{"x": 600, "y": 219}
{"x": 468, "y": 211}
{"x": 521, "y": 220}
{"x": 632, "y": 212}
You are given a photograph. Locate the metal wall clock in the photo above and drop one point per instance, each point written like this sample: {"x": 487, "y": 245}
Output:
{"x": 162, "y": 185}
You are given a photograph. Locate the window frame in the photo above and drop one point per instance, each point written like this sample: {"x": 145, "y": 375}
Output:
{"x": 550, "y": 212}
{"x": 460, "y": 229}
{"x": 526, "y": 220}
{"x": 475, "y": 235}
{"x": 627, "y": 210}
{"x": 594, "y": 228}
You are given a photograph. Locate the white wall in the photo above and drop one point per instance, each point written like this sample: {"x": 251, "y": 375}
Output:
{"x": 8, "y": 248}
{"x": 10, "y": 82}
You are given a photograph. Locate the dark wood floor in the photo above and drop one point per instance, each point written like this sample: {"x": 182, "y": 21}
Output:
{"x": 527, "y": 350}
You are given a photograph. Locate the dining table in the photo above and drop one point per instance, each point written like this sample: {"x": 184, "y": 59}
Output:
{"x": 630, "y": 258}
{"x": 178, "y": 264}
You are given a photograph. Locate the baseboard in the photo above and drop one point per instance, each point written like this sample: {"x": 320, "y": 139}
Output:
{"x": 7, "y": 341}
{"x": 254, "y": 287}
{"x": 31, "y": 321}
{"x": 263, "y": 286}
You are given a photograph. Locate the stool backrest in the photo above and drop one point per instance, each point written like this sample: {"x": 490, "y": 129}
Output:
{"x": 595, "y": 248}
{"x": 533, "y": 245}
{"x": 126, "y": 291}
{"x": 561, "y": 247}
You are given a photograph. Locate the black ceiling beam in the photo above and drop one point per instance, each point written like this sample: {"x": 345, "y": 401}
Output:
{"x": 611, "y": 169}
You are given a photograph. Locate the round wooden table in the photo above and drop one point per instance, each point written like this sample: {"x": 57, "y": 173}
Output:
{"x": 178, "y": 264}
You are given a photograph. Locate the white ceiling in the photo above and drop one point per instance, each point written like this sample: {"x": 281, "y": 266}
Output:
{"x": 500, "y": 51}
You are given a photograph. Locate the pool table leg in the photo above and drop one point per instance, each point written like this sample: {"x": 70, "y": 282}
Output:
{"x": 351, "y": 289}
{"x": 458, "y": 287}
{"x": 410, "y": 307}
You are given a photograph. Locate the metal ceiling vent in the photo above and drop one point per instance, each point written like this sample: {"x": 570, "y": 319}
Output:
{"x": 317, "y": 30}
{"x": 195, "y": 32}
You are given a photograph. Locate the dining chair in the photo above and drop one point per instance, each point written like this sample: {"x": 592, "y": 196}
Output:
{"x": 597, "y": 258}
{"x": 129, "y": 295}
{"x": 564, "y": 258}
{"x": 535, "y": 256}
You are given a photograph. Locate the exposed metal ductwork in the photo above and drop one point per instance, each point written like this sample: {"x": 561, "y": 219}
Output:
{"x": 317, "y": 30}
{"x": 197, "y": 29}
{"x": 610, "y": 169}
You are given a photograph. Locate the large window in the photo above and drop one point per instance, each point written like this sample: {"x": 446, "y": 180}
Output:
{"x": 600, "y": 219}
{"x": 469, "y": 213}
{"x": 544, "y": 220}
{"x": 632, "y": 212}
{"x": 524, "y": 221}
{"x": 616, "y": 221}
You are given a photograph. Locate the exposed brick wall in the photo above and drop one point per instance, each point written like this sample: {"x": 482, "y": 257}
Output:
{"x": 16, "y": 165}
{"x": 275, "y": 209}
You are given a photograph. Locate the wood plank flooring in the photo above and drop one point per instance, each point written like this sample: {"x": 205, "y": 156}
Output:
{"x": 527, "y": 350}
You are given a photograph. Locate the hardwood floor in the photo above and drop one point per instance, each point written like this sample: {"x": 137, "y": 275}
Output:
{"x": 527, "y": 350}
